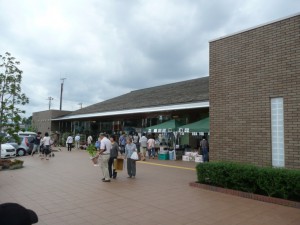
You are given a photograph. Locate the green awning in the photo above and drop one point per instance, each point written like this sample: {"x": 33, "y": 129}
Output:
{"x": 168, "y": 126}
{"x": 199, "y": 126}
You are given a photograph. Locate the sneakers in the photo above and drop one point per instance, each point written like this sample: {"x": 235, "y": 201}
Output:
{"x": 106, "y": 181}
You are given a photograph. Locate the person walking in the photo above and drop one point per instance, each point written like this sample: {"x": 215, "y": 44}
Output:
{"x": 122, "y": 142}
{"x": 151, "y": 147}
{"x": 77, "y": 140}
{"x": 104, "y": 155}
{"x": 113, "y": 155}
{"x": 143, "y": 147}
{"x": 70, "y": 142}
{"x": 46, "y": 141}
{"x": 89, "y": 140}
{"x": 36, "y": 144}
{"x": 136, "y": 141}
{"x": 131, "y": 164}
{"x": 204, "y": 146}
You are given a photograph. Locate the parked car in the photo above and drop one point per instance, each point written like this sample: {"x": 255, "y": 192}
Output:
{"x": 7, "y": 151}
{"x": 26, "y": 133}
{"x": 24, "y": 146}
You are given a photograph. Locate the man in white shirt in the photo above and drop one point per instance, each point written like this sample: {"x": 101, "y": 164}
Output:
{"x": 69, "y": 142}
{"x": 89, "y": 140}
{"x": 77, "y": 139}
{"x": 143, "y": 144}
{"x": 104, "y": 155}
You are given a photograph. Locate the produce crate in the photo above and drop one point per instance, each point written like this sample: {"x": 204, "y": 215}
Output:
{"x": 185, "y": 158}
{"x": 199, "y": 159}
{"x": 163, "y": 156}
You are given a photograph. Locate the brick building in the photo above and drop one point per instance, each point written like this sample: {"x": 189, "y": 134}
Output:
{"x": 42, "y": 121}
{"x": 254, "y": 94}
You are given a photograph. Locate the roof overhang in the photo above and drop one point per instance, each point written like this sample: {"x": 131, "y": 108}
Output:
{"x": 195, "y": 105}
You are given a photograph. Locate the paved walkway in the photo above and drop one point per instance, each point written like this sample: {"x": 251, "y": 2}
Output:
{"x": 67, "y": 189}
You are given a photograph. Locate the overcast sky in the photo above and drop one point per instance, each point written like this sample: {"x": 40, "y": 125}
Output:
{"x": 106, "y": 48}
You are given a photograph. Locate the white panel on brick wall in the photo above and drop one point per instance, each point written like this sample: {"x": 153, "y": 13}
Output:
{"x": 277, "y": 122}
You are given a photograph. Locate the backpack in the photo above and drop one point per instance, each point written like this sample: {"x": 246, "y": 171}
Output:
{"x": 97, "y": 144}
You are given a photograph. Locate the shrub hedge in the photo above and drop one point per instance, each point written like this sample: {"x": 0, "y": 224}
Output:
{"x": 273, "y": 182}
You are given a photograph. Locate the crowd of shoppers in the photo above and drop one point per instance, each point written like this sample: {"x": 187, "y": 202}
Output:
{"x": 112, "y": 148}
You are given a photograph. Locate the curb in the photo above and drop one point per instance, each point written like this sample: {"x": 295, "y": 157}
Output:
{"x": 262, "y": 198}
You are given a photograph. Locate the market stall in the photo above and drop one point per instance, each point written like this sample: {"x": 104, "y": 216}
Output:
{"x": 167, "y": 138}
{"x": 197, "y": 129}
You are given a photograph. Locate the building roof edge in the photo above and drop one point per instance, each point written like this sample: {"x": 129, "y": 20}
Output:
{"x": 255, "y": 27}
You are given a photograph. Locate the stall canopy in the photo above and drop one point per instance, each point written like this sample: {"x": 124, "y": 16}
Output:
{"x": 168, "y": 126}
{"x": 199, "y": 126}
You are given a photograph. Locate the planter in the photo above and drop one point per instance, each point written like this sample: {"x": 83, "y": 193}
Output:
{"x": 262, "y": 198}
{"x": 5, "y": 163}
{"x": 16, "y": 166}
{"x": 11, "y": 164}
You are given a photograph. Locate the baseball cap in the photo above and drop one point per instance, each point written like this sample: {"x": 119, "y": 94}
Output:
{"x": 15, "y": 214}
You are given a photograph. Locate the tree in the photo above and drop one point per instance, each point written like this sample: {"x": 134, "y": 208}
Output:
{"x": 27, "y": 122}
{"x": 10, "y": 95}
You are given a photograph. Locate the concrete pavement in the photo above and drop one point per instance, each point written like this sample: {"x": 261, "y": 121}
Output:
{"x": 68, "y": 189}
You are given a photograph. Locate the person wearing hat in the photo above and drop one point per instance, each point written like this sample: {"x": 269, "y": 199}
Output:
{"x": 15, "y": 214}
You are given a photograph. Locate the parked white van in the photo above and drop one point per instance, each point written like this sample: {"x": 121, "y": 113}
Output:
{"x": 26, "y": 133}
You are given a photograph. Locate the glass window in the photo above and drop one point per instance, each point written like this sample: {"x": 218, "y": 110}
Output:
{"x": 277, "y": 128}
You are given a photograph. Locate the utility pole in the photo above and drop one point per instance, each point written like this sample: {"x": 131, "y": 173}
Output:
{"x": 80, "y": 105}
{"x": 50, "y": 99}
{"x": 61, "y": 92}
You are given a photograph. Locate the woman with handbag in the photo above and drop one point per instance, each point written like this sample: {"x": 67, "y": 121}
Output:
{"x": 113, "y": 155}
{"x": 130, "y": 150}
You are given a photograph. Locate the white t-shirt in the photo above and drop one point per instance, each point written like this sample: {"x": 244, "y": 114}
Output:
{"x": 77, "y": 138}
{"x": 143, "y": 141}
{"x": 135, "y": 139}
{"x": 90, "y": 139}
{"x": 70, "y": 140}
{"x": 105, "y": 144}
{"x": 46, "y": 140}
{"x": 151, "y": 143}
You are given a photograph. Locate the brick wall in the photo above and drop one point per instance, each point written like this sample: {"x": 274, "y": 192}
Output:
{"x": 246, "y": 70}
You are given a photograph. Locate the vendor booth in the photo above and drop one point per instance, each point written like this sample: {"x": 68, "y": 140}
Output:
{"x": 166, "y": 127}
{"x": 195, "y": 132}
{"x": 201, "y": 126}
{"x": 166, "y": 139}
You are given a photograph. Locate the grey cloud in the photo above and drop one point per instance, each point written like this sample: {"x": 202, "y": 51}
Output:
{"x": 108, "y": 48}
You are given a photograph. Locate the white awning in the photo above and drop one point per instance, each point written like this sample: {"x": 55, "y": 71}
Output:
{"x": 194, "y": 105}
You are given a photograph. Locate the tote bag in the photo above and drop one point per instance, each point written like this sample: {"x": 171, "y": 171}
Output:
{"x": 134, "y": 156}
